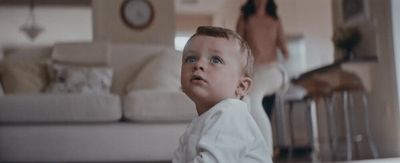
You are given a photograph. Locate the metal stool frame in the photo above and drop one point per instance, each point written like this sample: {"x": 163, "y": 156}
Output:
{"x": 348, "y": 104}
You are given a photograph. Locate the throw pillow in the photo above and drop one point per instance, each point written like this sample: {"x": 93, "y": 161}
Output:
{"x": 21, "y": 76}
{"x": 80, "y": 79}
{"x": 161, "y": 72}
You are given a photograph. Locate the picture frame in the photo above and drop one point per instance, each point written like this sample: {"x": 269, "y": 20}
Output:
{"x": 354, "y": 12}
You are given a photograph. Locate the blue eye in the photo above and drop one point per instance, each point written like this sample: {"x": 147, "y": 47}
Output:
{"x": 216, "y": 60}
{"x": 190, "y": 59}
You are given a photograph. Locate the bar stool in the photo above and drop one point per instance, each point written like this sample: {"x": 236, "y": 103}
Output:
{"x": 347, "y": 92}
{"x": 347, "y": 85}
{"x": 336, "y": 82}
{"x": 316, "y": 90}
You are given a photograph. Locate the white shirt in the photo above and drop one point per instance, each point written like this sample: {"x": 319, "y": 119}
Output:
{"x": 226, "y": 133}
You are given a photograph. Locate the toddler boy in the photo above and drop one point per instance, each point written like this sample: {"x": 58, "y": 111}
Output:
{"x": 216, "y": 75}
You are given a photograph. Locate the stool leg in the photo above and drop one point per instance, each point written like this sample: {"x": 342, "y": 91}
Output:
{"x": 312, "y": 131}
{"x": 334, "y": 128}
{"x": 349, "y": 146}
{"x": 371, "y": 143}
{"x": 351, "y": 116}
{"x": 281, "y": 123}
{"x": 331, "y": 125}
{"x": 291, "y": 132}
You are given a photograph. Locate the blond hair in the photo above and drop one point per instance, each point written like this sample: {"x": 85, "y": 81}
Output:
{"x": 229, "y": 34}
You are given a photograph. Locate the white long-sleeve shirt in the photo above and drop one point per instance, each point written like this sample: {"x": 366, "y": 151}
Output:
{"x": 226, "y": 133}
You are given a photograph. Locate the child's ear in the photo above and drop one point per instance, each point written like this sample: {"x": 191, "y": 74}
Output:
{"x": 243, "y": 87}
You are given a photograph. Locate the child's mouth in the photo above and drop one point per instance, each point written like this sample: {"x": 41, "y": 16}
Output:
{"x": 197, "y": 78}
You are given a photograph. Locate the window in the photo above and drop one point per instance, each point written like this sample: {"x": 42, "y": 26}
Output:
{"x": 180, "y": 42}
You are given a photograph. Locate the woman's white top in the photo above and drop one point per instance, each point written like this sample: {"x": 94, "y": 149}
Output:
{"x": 226, "y": 133}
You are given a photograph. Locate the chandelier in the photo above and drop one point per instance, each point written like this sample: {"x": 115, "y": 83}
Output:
{"x": 30, "y": 28}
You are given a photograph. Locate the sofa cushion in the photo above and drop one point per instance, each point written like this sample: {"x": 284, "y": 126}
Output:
{"x": 60, "y": 108}
{"x": 158, "y": 105}
{"x": 161, "y": 72}
{"x": 23, "y": 76}
{"x": 80, "y": 79}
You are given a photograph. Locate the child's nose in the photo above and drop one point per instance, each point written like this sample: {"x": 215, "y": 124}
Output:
{"x": 201, "y": 68}
{"x": 200, "y": 65}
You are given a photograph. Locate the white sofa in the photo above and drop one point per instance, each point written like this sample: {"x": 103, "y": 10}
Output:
{"x": 140, "y": 125}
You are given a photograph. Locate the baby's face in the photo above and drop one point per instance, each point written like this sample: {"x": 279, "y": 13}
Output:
{"x": 211, "y": 70}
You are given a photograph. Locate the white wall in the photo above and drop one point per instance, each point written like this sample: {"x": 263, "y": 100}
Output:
{"x": 186, "y": 25}
{"x": 108, "y": 24}
{"x": 311, "y": 19}
{"x": 228, "y": 14}
{"x": 69, "y": 23}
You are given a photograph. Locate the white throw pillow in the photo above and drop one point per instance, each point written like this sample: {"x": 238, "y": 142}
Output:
{"x": 161, "y": 72}
{"x": 80, "y": 79}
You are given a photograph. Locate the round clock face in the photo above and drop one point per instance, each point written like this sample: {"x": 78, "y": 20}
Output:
{"x": 137, "y": 14}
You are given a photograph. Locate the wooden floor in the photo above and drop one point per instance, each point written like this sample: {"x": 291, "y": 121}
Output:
{"x": 302, "y": 155}
{"x": 306, "y": 160}
{"x": 382, "y": 160}
{"x": 299, "y": 159}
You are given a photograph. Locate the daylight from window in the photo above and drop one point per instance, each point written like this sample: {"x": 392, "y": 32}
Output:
{"x": 180, "y": 42}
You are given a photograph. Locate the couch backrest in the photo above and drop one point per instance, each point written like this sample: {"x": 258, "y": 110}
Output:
{"x": 127, "y": 60}
{"x": 82, "y": 53}
{"x": 33, "y": 52}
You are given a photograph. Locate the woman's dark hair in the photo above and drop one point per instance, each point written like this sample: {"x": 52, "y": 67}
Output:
{"x": 249, "y": 8}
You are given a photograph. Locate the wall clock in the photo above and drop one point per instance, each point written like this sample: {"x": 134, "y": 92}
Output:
{"x": 137, "y": 14}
